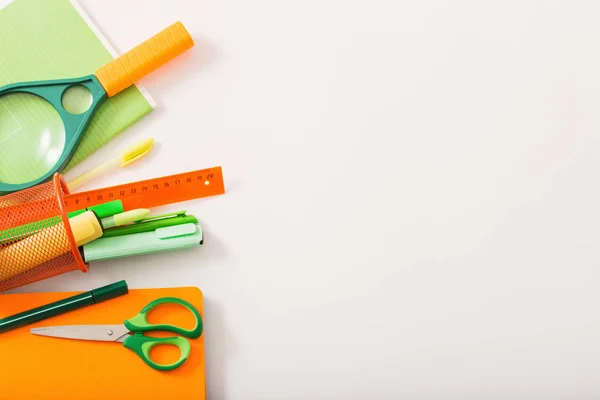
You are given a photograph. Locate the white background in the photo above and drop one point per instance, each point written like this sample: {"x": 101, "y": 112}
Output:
{"x": 412, "y": 207}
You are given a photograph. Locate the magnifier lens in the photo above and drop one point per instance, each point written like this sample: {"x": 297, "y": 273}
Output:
{"x": 77, "y": 99}
{"x": 32, "y": 137}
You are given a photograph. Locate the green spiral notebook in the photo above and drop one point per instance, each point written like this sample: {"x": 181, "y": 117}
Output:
{"x": 50, "y": 39}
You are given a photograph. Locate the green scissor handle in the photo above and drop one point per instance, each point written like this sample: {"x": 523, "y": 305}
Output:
{"x": 140, "y": 324}
{"x": 142, "y": 345}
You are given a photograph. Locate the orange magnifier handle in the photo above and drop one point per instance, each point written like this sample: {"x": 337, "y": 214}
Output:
{"x": 140, "y": 61}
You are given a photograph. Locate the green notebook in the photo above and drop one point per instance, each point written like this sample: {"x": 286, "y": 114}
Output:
{"x": 52, "y": 39}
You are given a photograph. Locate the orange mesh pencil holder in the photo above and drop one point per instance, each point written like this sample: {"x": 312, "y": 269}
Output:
{"x": 36, "y": 241}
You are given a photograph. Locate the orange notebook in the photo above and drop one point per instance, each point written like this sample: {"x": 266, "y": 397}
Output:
{"x": 37, "y": 367}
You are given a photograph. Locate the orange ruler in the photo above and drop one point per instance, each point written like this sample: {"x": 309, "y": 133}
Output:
{"x": 153, "y": 192}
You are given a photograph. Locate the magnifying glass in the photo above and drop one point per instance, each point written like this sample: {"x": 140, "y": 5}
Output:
{"x": 42, "y": 122}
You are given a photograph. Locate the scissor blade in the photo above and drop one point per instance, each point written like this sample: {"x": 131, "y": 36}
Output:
{"x": 105, "y": 333}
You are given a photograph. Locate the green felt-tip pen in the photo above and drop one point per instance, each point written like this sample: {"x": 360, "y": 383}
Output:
{"x": 20, "y": 232}
{"x": 63, "y": 306}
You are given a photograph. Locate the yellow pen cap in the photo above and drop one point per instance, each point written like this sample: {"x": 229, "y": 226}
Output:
{"x": 85, "y": 227}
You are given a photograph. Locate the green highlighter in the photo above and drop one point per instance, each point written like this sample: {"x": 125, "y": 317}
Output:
{"x": 151, "y": 224}
{"x": 169, "y": 238}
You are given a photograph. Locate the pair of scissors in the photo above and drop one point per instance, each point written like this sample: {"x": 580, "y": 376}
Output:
{"x": 130, "y": 333}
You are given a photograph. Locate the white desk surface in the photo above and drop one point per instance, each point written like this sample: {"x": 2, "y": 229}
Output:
{"x": 412, "y": 207}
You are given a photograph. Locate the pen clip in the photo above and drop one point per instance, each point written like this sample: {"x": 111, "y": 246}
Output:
{"x": 162, "y": 216}
{"x": 170, "y": 232}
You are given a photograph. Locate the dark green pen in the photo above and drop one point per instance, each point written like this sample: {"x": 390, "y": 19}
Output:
{"x": 63, "y": 306}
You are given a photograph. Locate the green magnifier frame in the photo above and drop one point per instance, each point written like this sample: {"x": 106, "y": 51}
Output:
{"x": 106, "y": 82}
{"x": 74, "y": 124}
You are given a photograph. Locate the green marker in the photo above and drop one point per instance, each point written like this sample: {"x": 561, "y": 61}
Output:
{"x": 63, "y": 306}
{"x": 151, "y": 224}
{"x": 103, "y": 210}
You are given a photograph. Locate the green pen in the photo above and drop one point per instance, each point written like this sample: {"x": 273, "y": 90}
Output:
{"x": 63, "y": 306}
{"x": 20, "y": 232}
{"x": 151, "y": 224}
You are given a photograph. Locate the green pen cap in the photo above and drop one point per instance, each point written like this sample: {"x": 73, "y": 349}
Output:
{"x": 111, "y": 291}
{"x": 102, "y": 210}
